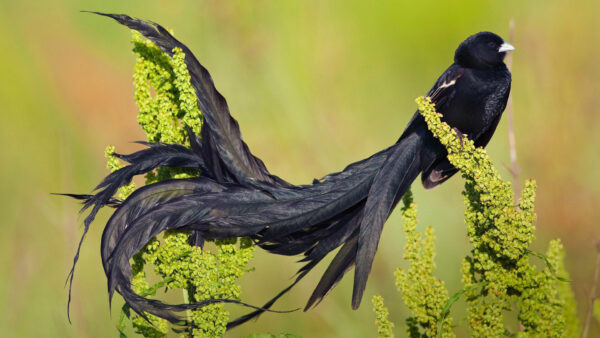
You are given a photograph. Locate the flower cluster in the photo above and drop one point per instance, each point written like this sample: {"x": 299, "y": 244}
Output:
{"x": 422, "y": 293}
{"x": 498, "y": 273}
{"x": 384, "y": 326}
{"x": 498, "y": 278}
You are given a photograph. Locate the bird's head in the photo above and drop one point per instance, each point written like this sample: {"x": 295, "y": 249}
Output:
{"x": 483, "y": 50}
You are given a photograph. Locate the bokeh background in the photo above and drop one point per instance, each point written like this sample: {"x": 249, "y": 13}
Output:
{"x": 315, "y": 85}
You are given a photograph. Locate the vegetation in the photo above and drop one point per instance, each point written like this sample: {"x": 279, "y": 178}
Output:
{"x": 498, "y": 278}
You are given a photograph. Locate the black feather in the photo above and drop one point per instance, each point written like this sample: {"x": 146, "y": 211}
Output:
{"x": 141, "y": 162}
{"x": 393, "y": 179}
{"x": 341, "y": 263}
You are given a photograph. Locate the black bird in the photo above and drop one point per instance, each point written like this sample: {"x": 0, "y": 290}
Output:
{"x": 237, "y": 196}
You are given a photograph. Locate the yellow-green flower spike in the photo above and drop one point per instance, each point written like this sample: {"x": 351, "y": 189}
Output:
{"x": 112, "y": 163}
{"x": 167, "y": 102}
{"x": 498, "y": 273}
{"x": 384, "y": 326}
{"x": 424, "y": 295}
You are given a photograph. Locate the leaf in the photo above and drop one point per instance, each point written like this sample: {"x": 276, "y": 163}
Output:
{"x": 453, "y": 299}
{"x": 545, "y": 259}
{"x": 151, "y": 291}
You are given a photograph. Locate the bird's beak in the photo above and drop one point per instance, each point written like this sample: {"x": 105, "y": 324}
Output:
{"x": 505, "y": 47}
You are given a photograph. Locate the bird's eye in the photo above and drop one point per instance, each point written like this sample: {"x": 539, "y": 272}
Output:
{"x": 491, "y": 44}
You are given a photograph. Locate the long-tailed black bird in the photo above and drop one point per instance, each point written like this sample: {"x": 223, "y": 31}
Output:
{"x": 237, "y": 196}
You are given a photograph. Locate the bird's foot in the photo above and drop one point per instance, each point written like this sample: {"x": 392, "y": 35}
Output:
{"x": 460, "y": 136}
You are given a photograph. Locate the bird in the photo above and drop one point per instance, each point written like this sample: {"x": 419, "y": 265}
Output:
{"x": 236, "y": 195}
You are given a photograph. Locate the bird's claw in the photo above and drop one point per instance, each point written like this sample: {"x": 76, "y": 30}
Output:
{"x": 460, "y": 136}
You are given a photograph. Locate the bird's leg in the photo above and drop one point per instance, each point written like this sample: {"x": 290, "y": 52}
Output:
{"x": 459, "y": 135}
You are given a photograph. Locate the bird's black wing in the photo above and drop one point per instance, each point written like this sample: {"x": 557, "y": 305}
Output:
{"x": 496, "y": 105}
{"x": 441, "y": 170}
{"x": 442, "y": 94}
{"x": 444, "y": 89}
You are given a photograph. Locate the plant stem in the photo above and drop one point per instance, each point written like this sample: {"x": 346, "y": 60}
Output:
{"x": 512, "y": 145}
{"x": 592, "y": 298}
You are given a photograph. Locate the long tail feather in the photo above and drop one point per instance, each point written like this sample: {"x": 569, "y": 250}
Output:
{"x": 254, "y": 314}
{"x": 324, "y": 244}
{"x": 393, "y": 179}
{"x": 222, "y": 129}
{"x": 112, "y": 202}
{"x": 147, "y": 198}
{"x": 167, "y": 311}
{"x": 141, "y": 162}
{"x": 334, "y": 273}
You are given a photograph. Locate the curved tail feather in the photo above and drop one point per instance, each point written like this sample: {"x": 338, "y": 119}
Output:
{"x": 221, "y": 130}
{"x": 141, "y": 162}
{"x": 146, "y": 198}
{"x": 341, "y": 263}
{"x": 393, "y": 179}
{"x": 167, "y": 311}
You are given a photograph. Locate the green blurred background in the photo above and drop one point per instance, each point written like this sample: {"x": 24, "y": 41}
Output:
{"x": 315, "y": 85}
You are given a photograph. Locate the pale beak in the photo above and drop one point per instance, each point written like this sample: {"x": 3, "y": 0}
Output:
{"x": 505, "y": 47}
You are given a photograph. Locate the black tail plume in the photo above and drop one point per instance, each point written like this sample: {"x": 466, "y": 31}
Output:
{"x": 393, "y": 179}
{"x": 237, "y": 197}
{"x": 220, "y": 131}
{"x": 141, "y": 162}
